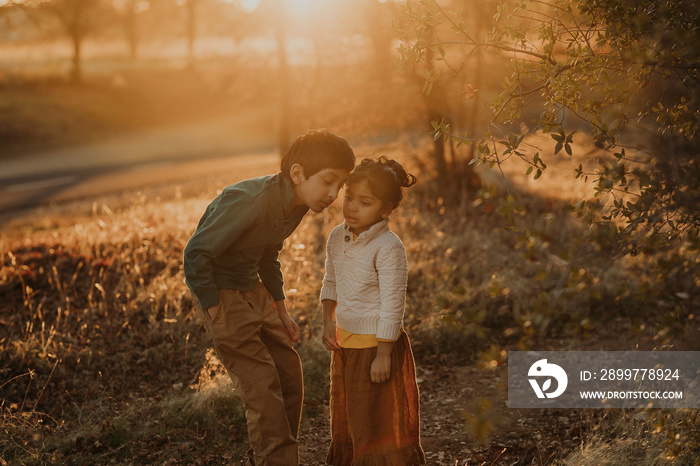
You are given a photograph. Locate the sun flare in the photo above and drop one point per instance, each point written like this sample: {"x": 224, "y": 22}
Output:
{"x": 300, "y": 6}
{"x": 249, "y": 5}
{"x": 297, "y": 8}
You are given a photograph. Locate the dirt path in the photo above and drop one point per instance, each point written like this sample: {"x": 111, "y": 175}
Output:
{"x": 461, "y": 401}
{"x": 447, "y": 393}
{"x": 134, "y": 160}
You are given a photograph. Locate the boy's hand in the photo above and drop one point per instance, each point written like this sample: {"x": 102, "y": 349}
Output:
{"x": 291, "y": 326}
{"x": 329, "y": 338}
{"x": 213, "y": 311}
{"x": 381, "y": 368}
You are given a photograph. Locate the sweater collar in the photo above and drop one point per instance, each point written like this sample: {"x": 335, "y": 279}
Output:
{"x": 374, "y": 231}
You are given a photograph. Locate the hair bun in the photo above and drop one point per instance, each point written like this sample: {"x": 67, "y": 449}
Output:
{"x": 406, "y": 180}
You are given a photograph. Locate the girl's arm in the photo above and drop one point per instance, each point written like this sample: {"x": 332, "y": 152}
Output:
{"x": 391, "y": 265}
{"x": 392, "y": 272}
{"x": 329, "y": 339}
{"x": 381, "y": 366}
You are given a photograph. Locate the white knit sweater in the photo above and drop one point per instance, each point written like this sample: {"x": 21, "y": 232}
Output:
{"x": 367, "y": 278}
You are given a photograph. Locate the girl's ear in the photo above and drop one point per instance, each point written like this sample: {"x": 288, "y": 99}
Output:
{"x": 296, "y": 174}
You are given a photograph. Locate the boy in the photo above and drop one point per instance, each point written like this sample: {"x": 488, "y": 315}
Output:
{"x": 232, "y": 268}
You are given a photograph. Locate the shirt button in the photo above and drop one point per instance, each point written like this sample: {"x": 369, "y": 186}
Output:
{"x": 347, "y": 239}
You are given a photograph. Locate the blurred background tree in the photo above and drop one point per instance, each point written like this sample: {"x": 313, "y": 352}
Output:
{"x": 626, "y": 72}
{"x": 608, "y": 68}
{"x": 75, "y": 18}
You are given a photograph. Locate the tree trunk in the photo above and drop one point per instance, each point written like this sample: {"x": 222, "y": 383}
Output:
{"x": 437, "y": 110}
{"x": 378, "y": 30}
{"x": 477, "y": 77}
{"x": 191, "y": 30}
{"x": 77, "y": 71}
{"x": 283, "y": 80}
{"x": 130, "y": 29}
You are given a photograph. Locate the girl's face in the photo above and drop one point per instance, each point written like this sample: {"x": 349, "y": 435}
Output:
{"x": 361, "y": 209}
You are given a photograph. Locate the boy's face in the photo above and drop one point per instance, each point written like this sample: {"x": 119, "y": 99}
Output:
{"x": 319, "y": 190}
{"x": 361, "y": 208}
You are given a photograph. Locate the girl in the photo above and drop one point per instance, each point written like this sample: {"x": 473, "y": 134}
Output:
{"x": 374, "y": 394}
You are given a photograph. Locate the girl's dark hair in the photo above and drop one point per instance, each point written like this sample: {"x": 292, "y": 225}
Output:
{"x": 386, "y": 178}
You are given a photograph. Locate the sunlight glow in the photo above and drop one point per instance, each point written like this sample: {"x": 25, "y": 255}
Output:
{"x": 298, "y": 8}
{"x": 304, "y": 10}
{"x": 249, "y": 5}
{"x": 300, "y": 5}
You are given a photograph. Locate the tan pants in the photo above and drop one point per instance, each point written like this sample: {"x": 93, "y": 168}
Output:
{"x": 252, "y": 344}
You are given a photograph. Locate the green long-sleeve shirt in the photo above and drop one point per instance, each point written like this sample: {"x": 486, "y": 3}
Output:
{"x": 238, "y": 239}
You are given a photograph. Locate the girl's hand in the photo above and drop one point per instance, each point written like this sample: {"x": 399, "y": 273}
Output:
{"x": 329, "y": 339}
{"x": 381, "y": 368}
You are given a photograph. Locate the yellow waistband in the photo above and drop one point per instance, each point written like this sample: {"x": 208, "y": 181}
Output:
{"x": 356, "y": 340}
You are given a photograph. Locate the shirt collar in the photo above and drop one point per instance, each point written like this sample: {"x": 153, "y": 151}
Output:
{"x": 366, "y": 236}
{"x": 288, "y": 198}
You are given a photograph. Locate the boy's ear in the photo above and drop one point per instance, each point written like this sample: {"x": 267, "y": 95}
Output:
{"x": 296, "y": 174}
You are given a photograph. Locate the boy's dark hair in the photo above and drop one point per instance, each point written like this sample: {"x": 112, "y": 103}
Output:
{"x": 317, "y": 150}
{"x": 385, "y": 177}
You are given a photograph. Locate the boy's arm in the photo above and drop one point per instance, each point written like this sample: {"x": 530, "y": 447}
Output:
{"x": 328, "y": 288}
{"x": 225, "y": 221}
{"x": 329, "y": 339}
{"x": 270, "y": 271}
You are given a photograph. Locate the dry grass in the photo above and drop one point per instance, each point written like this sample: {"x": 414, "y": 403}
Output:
{"x": 650, "y": 438}
{"x": 103, "y": 358}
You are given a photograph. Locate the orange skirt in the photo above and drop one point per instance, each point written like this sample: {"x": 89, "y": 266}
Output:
{"x": 374, "y": 424}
